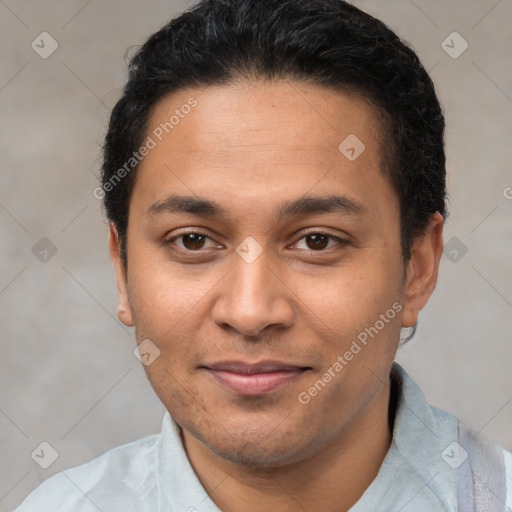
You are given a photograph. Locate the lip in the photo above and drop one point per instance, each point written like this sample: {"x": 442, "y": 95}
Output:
{"x": 254, "y": 379}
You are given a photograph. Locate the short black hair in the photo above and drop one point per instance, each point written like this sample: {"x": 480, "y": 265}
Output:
{"x": 328, "y": 43}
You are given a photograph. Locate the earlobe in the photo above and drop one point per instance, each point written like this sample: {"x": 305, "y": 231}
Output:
{"x": 124, "y": 312}
{"x": 422, "y": 270}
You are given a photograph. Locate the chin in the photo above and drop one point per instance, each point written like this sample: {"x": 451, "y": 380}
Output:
{"x": 267, "y": 455}
{"x": 251, "y": 445}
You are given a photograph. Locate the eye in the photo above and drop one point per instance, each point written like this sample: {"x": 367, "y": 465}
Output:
{"x": 191, "y": 241}
{"x": 194, "y": 241}
{"x": 318, "y": 241}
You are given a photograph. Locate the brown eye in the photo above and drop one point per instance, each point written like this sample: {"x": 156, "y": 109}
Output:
{"x": 318, "y": 241}
{"x": 193, "y": 241}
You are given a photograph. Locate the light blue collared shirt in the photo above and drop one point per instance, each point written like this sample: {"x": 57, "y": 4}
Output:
{"x": 423, "y": 470}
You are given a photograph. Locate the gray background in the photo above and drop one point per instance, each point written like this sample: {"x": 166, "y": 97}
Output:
{"x": 67, "y": 372}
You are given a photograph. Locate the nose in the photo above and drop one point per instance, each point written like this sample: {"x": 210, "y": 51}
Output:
{"x": 253, "y": 298}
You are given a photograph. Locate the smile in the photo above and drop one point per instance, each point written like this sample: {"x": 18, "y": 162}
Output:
{"x": 252, "y": 380}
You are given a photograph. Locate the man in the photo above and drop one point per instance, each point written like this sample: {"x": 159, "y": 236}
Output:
{"x": 274, "y": 177}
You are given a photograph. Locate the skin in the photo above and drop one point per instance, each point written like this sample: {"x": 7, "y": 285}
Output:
{"x": 250, "y": 147}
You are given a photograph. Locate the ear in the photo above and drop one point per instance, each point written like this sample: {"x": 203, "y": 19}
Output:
{"x": 124, "y": 311}
{"x": 422, "y": 270}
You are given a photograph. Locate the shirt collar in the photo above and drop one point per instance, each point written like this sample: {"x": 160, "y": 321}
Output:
{"x": 421, "y": 433}
{"x": 179, "y": 488}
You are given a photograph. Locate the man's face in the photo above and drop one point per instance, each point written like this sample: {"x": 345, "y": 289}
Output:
{"x": 257, "y": 305}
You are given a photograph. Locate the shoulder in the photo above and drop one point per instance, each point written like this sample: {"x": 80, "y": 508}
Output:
{"x": 507, "y": 457}
{"x": 485, "y": 473}
{"x": 457, "y": 465}
{"x": 126, "y": 472}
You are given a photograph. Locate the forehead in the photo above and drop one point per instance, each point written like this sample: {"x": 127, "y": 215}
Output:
{"x": 233, "y": 115}
{"x": 261, "y": 141}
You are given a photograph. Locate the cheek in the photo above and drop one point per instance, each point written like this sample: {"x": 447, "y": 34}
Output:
{"x": 162, "y": 296}
{"x": 170, "y": 308}
{"x": 353, "y": 297}
{"x": 179, "y": 394}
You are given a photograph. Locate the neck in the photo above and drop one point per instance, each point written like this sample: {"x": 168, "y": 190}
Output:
{"x": 332, "y": 480}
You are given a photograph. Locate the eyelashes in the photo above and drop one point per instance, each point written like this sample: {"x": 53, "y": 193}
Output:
{"x": 194, "y": 241}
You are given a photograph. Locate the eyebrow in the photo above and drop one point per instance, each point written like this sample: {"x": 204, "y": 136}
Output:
{"x": 306, "y": 205}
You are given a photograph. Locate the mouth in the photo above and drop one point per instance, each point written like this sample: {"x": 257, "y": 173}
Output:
{"x": 254, "y": 379}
